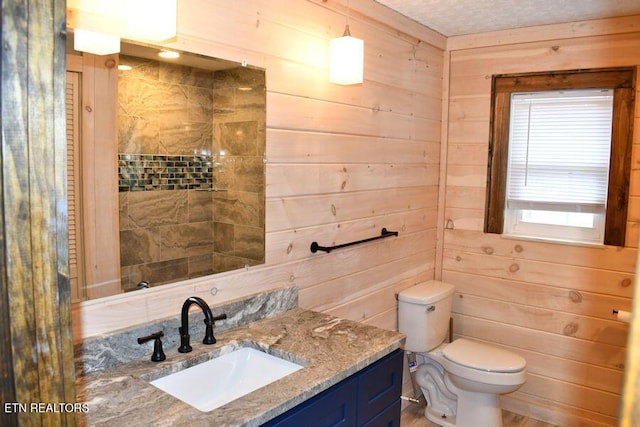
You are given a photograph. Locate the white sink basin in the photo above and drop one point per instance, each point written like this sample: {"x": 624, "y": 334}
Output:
{"x": 218, "y": 381}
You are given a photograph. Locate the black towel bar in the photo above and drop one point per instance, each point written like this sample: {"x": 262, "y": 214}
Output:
{"x": 315, "y": 247}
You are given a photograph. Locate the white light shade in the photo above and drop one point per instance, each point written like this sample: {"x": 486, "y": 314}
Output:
{"x": 96, "y": 43}
{"x": 153, "y": 20}
{"x": 346, "y": 61}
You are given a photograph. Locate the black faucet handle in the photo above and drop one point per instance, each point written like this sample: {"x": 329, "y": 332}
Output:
{"x": 158, "y": 354}
{"x": 219, "y": 317}
{"x": 208, "y": 329}
{"x": 153, "y": 336}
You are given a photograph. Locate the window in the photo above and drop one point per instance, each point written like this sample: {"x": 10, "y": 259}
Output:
{"x": 560, "y": 151}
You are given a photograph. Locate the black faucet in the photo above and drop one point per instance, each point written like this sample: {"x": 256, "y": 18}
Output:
{"x": 209, "y": 320}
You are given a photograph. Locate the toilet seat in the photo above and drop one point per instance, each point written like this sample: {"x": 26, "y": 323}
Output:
{"x": 483, "y": 357}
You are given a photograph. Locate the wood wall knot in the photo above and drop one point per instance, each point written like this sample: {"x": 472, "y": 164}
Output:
{"x": 518, "y": 248}
{"x": 487, "y": 250}
{"x": 626, "y": 283}
{"x": 513, "y": 268}
{"x": 449, "y": 224}
{"x": 289, "y": 248}
{"x": 333, "y": 209}
{"x": 575, "y": 296}
{"x": 570, "y": 329}
{"x": 555, "y": 48}
{"x": 458, "y": 258}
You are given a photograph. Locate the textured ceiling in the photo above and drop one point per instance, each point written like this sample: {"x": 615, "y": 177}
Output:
{"x": 458, "y": 17}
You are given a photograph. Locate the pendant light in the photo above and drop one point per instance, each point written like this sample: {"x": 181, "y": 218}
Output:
{"x": 346, "y": 58}
{"x": 98, "y": 25}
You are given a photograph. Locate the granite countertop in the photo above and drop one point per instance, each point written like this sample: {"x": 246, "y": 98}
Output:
{"x": 329, "y": 348}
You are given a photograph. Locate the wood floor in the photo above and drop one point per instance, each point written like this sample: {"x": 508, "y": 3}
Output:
{"x": 413, "y": 416}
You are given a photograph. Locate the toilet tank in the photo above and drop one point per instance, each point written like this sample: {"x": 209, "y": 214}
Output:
{"x": 423, "y": 314}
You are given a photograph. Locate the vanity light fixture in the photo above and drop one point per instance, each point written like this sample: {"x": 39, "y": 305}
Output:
{"x": 346, "y": 58}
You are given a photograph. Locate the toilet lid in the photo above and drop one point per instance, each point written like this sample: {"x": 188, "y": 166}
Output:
{"x": 427, "y": 292}
{"x": 484, "y": 357}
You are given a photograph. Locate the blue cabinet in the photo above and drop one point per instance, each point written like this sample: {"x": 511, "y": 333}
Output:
{"x": 368, "y": 398}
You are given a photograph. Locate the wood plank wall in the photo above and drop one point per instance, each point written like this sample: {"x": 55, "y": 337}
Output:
{"x": 551, "y": 303}
{"x": 342, "y": 161}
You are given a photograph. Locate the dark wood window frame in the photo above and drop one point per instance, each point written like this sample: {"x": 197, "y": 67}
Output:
{"x": 622, "y": 80}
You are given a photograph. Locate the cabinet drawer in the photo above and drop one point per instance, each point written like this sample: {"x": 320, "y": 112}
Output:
{"x": 379, "y": 386}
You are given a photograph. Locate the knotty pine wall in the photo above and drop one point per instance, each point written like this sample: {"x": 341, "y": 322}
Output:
{"x": 342, "y": 161}
{"x": 551, "y": 303}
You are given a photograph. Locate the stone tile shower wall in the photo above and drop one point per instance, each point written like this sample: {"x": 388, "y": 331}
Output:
{"x": 239, "y": 109}
{"x": 191, "y": 148}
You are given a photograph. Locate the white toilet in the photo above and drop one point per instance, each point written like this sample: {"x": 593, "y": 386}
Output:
{"x": 460, "y": 380}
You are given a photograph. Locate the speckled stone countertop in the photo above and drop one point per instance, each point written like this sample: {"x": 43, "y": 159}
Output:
{"x": 329, "y": 348}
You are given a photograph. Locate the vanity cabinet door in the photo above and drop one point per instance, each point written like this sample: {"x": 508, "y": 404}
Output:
{"x": 335, "y": 407}
{"x": 379, "y": 386}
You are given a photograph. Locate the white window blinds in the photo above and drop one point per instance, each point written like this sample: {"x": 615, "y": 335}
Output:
{"x": 559, "y": 147}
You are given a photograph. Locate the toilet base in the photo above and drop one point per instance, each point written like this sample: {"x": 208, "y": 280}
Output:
{"x": 487, "y": 417}
{"x": 439, "y": 418}
{"x": 473, "y": 409}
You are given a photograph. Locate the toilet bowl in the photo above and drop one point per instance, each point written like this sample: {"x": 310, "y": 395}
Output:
{"x": 460, "y": 380}
{"x": 475, "y": 373}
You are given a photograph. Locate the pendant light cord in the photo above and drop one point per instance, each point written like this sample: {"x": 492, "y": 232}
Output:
{"x": 346, "y": 27}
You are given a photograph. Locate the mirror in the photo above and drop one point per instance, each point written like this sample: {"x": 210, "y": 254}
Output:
{"x": 189, "y": 183}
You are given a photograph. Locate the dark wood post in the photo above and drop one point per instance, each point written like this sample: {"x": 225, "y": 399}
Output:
{"x": 36, "y": 354}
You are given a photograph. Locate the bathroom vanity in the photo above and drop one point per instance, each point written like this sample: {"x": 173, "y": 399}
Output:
{"x": 349, "y": 370}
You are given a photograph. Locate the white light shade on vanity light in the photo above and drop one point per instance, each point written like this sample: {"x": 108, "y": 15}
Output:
{"x": 95, "y": 43}
{"x": 153, "y": 20}
{"x": 346, "y": 59}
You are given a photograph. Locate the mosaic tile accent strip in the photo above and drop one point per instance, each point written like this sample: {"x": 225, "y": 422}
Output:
{"x": 154, "y": 172}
